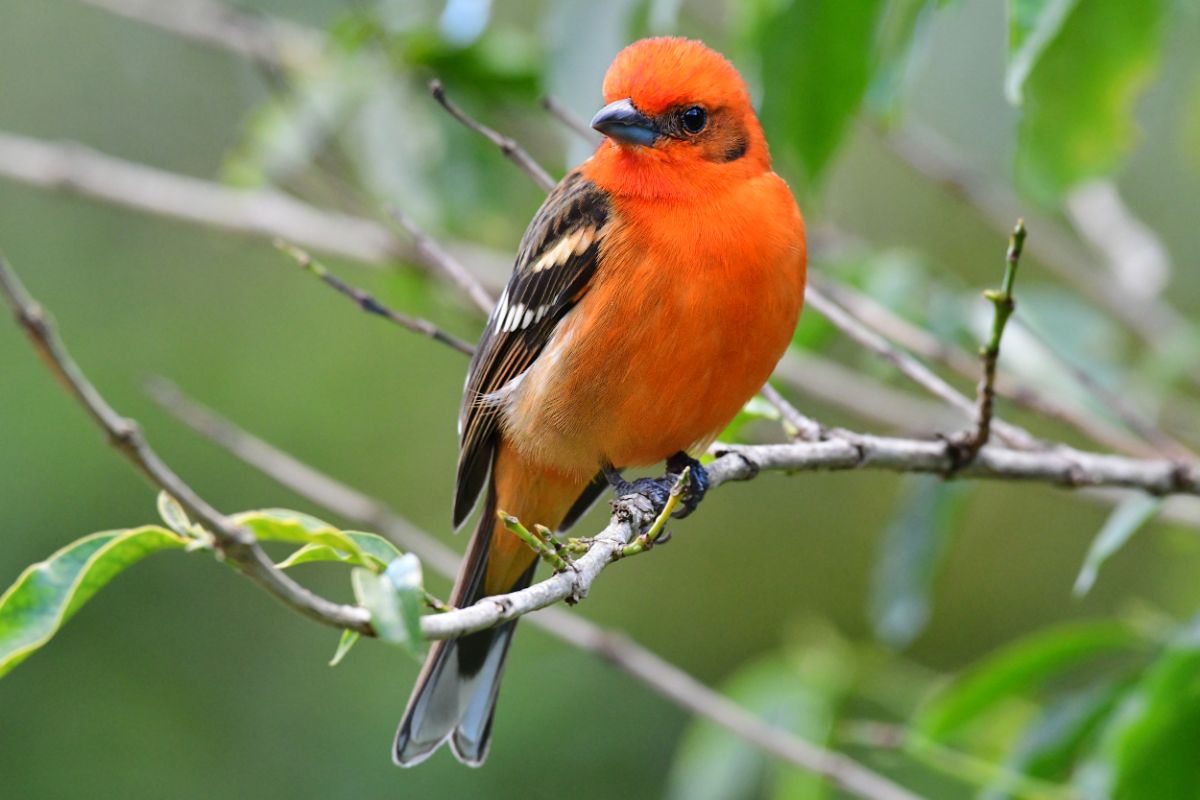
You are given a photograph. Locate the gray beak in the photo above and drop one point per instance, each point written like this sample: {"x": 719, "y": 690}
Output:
{"x": 624, "y": 123}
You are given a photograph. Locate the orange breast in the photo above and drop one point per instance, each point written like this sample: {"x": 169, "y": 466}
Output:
{"x": 684, "y": 322}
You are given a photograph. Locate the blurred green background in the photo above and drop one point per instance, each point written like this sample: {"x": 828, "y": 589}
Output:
{"x": 183, "y": 680}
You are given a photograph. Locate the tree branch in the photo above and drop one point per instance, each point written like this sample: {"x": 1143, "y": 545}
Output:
{"x": 908, "y": 366}
{"x": 269, "y": 41}
{"x": 806, "y": 427}
{"x": 509, "y": 147}
{"x": 436, "y": 258}
{"x": 658, "y": 675}
{"x": 259, "y": 212}
{"x": 1003, "y": 306}
{"x": 569, "y": 121}
{"x": 931, "y": 348}
{"x": 368, "y": 303}
{"x": 230, "y": 541}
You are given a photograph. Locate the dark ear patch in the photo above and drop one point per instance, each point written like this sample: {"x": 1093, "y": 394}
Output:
{"x": 725, "y": 139}
{"x": 735, "y": 150}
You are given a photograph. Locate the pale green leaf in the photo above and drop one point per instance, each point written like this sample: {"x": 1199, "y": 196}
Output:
{"x": 1032, "y": 25}
{"x": 173, "y": 514}
{"x": 394, "y": 599}
{"x": 1125, "y": 520}
{"x": 48, "y": 593}
{"x": 375, "y": 552}
{"x": 348, "y": 640}
{"x": 911, "y": 551}
{"x": 284, "y": 525}
{"x": 1078, "y": 115}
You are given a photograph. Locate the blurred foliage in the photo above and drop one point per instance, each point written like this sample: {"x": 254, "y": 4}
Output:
{"x": 1077, "y": 121}
{"x": 960, "y": 670}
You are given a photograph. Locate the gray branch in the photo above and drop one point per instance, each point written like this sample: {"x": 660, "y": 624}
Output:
{"x": 232, "y": 542}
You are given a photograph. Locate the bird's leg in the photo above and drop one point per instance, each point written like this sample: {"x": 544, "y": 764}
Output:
{"x": 697, "y": 481}
{"x": 656, "y": 490}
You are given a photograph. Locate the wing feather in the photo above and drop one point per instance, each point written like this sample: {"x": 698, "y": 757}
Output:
{"x": 559, "y": 254}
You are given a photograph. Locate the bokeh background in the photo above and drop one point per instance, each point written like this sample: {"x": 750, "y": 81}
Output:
{"x": 183, "y": 680}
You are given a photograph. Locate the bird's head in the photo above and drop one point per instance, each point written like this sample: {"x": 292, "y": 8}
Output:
{"x": 678, "y": 118}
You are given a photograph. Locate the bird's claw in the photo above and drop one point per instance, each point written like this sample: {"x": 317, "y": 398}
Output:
{"x": 657, "y": 491}
{"x": 698, "y": 482}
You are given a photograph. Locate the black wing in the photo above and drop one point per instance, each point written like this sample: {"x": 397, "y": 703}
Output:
{"x": 558, "y": 256}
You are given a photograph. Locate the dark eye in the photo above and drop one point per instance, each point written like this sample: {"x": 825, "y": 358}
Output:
{"x": 694, "y": 119}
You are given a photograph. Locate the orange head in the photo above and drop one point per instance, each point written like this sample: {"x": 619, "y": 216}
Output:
{"x": 678, "y": 121}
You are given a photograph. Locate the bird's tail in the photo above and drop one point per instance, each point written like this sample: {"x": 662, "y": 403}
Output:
{"x": 455, "y": 696}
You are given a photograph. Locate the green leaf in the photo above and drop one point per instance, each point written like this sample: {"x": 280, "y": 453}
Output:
{"x": 394, "y": 599}
{"x": 1148, "y": 748}
{"x": 1079, "y": 100}
{"x": 910, "y": 554}
{"x": 1049, "y": 746}
{"x": 1125, "y": 520}
{"x": 817, "y": 60}
{"x": 348, "y": 640}
{"x": 375, "y": 552}
{"x": 1032, "y": 25}
{"x": 49, "y": 593}
{"x": 900, "y": 37}
{"x": 173, "y": 514}
{"x": 755, "y": 410}
{"x": 1018, "y": 669}
{"x": 284, "y": 525}
{"x": 799, "y": 691}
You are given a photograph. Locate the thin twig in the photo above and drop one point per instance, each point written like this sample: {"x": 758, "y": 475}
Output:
{"x": 1113, "y": 401}
{"x": 569, "y": 121}
{"x": 931, "y": 348}
{"x": 805, "y": 427}
{"x": 539, "y": 545}
{"x": 660, "y": 676}
{"x": 1003, "y": 306}
{"x": 264, "y": 213}
{"x": 911, "y": 368}
{"x": 368, "y": 303}
{"x": 435, "y": 257}
{"x": 508, "y": 146}
{"x": 868, "y": 398}
{"x": 234, "y": 543}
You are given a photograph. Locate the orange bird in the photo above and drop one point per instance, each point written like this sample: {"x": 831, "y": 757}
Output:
{"x": 652, "y": 296}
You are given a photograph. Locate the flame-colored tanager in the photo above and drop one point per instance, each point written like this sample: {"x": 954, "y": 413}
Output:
{"x": 652, "y": 295}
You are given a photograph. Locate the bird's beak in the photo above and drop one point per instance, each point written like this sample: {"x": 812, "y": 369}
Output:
{"x": 624, "y": 123}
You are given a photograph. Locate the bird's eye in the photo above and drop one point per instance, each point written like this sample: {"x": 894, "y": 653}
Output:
{"x": 694, "y": 119}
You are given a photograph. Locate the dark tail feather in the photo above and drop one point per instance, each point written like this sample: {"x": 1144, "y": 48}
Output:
{"x": 455, "y": 696}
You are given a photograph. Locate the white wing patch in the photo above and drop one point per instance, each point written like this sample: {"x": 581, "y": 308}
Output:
{"x": 575, "y": 243}
{"x": 501, "y": 305}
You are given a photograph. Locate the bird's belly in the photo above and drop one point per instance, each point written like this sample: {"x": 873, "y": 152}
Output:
{"x": 666, "y": 373}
